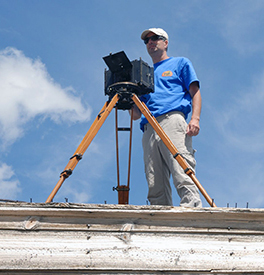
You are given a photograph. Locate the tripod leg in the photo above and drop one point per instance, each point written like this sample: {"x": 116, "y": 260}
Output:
{"x": 123, "y": 190}
{"x": 95, "y": 127}
{"x": 117, "y": 149}
{"x": 153, "y": 122}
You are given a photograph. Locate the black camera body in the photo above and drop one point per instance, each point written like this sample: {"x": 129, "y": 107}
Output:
{"x": 125, "y": 77}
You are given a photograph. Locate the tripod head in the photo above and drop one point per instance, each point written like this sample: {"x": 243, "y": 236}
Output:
{"x": 127, "y": 78}
{"x": 125, "y": 90}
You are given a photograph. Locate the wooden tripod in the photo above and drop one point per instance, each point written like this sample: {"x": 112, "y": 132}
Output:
{"x": 123, "y": 191}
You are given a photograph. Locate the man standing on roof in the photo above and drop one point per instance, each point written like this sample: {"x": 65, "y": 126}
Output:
{"x": 176, "y": 94}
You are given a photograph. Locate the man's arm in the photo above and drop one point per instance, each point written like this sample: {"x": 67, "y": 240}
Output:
{"x": 136, "y": 112}
{"x": 193, "y": 126}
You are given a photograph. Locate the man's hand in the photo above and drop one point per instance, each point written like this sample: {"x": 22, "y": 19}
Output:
{"x": 135, "y": 112}
{"x": 193, "y": 127}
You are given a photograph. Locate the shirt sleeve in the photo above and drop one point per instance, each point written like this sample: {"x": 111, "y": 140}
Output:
{"x": 188, "y": 74}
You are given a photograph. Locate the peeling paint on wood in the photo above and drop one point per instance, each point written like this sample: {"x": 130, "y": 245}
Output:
{"x": 115, "y": 239}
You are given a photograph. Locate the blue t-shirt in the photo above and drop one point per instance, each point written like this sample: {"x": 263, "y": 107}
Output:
{"x": 172, "y": 79}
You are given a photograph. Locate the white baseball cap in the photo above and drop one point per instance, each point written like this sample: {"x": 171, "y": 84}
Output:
{"x": 157, "y": 31}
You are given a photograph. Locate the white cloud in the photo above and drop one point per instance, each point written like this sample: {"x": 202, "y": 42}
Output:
{"x": 240, "y": 121}
{"x": 9, "y": 186}
{"x": 74, "y": 194}
{"x": 240, "y": 25}
{"x": 28, "y": 91}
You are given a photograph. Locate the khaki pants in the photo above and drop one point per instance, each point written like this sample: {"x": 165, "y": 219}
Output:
{"x": 160, "y": 164}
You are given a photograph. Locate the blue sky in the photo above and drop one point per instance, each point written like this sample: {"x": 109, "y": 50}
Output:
{"x": 52, "y": 88}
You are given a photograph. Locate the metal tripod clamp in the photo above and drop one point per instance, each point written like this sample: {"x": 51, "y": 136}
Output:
{"x": 121, "y": 188}
{"x": 123, "y": 192}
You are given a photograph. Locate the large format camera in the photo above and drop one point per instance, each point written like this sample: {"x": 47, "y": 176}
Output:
{"x": 125, "y": 77}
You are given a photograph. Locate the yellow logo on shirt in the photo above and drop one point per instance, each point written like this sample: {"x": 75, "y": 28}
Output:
{"x": 167, "y": 73}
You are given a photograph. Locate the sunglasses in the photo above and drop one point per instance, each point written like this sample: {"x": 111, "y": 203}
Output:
{"x": 154, "y": 38}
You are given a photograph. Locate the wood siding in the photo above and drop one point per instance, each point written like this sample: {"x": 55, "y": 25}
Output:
{"x": 63, "y": 238}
